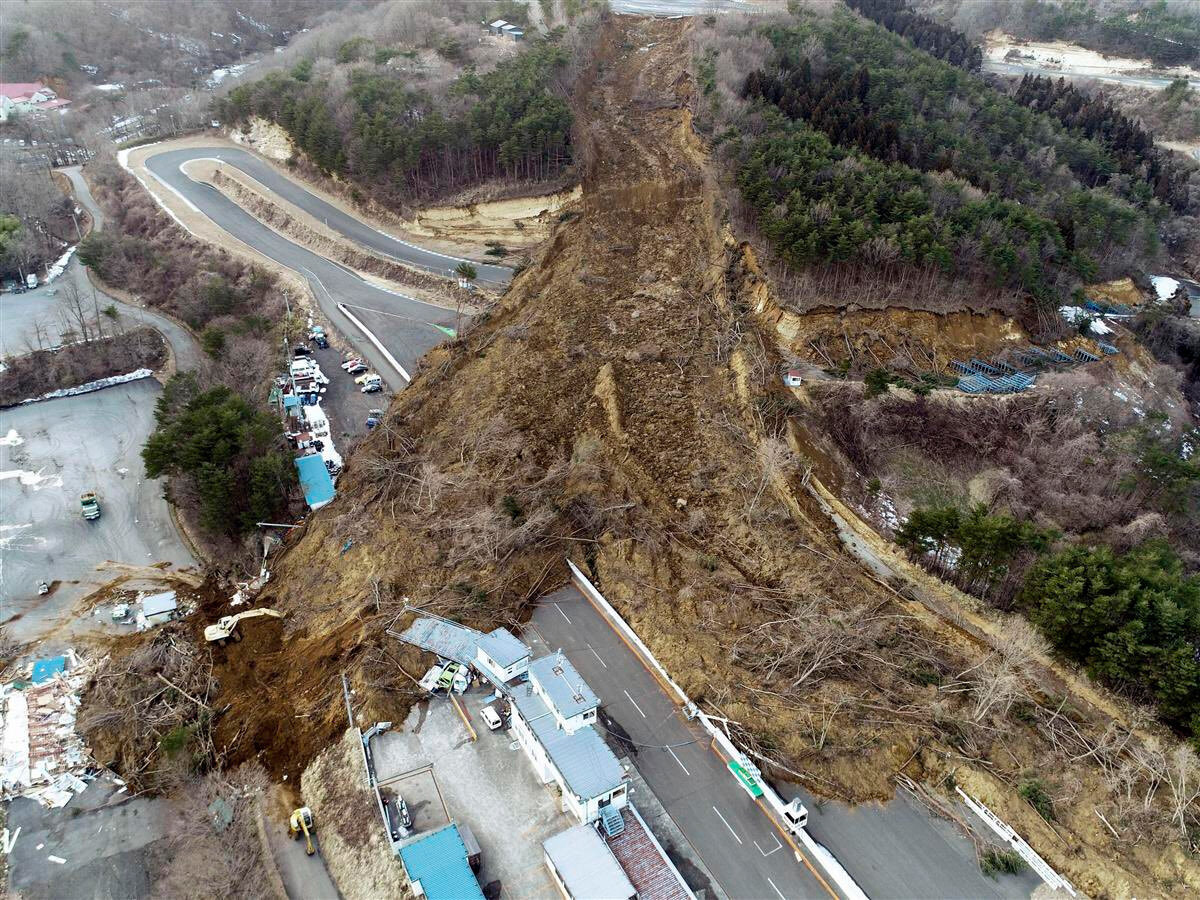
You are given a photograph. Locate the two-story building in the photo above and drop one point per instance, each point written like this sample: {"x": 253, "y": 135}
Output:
{"x": 553, "y": 716}
{"x": 27, "y": 97}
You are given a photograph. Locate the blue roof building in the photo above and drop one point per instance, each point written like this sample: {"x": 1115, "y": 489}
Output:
{"x": 563, "y": 687}
{"x": 438, "y": 861}
{"x": 45, "y": 669}
{"x": 315, "y": 481}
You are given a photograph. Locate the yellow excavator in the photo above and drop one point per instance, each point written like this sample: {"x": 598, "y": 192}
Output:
{"x": 301, "y": 823}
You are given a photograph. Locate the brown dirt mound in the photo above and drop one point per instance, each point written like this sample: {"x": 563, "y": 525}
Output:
{"x": 622, "y": 406}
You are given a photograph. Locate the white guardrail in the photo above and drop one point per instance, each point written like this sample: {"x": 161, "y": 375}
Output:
{"x": 1014, "y": 840}
{"x": 828, "y": 862}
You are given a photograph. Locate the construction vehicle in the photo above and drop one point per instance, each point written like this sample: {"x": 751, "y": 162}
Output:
{"x": 300, "y": 823}
{"x": 226, "y": 628}
{"x": 90, "y": 505}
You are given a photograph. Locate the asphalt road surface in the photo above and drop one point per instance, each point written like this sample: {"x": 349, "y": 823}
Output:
{"x": 49, "y": 453}
{"x": 891, "y": 850}
{"x": 738, "y": 843}
{"x": 104, "y": 837}
{"x": 405, "y": 326}
{"x": 337, "y": 219}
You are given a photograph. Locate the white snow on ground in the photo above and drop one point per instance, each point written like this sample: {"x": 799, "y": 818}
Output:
{"x": 92, "y": 386}
{"x": 35, "y": 480}
{"x": 59, "y": 266}
{"x": 12, "y": 537}
{"x": 12, "y": 439}
{"x": 219, "y": 75}
{"x": 109, "y": 87}
{"x": 1073, "y": 314}
{"x": 1071, "y": 58}
{"x": 1164, "y": 286}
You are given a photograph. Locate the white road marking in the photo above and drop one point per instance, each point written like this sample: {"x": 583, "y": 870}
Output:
{"x": 777, "y": 890}
{"x": 682, "y": 766}
{"x": 734, "y": 833}
{"x": 597, "y": 655}
{"x": 563, "y": 614}
{"x": 778, "y": 846}
{"x": 635, "y": 705}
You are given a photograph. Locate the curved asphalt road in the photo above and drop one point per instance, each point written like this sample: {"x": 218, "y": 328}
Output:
{"x": 166, "y": 166}
{"x": 406, "y": 327}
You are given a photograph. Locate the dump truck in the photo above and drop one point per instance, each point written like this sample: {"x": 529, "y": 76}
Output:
{"x": 89, "y": 505}
{"x": 226, "y": 628}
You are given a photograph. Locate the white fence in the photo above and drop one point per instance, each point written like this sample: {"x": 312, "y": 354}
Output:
{"x": 1014, "y": 840}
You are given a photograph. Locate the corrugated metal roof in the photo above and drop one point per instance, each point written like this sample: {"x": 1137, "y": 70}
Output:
{"x": 446, "y": 639}
{"x": 564, "y": 686}
{"x": 439, "y": 862}
{"x": 586, "y": 866}
{"x": 503, "y": 647}
{"x": 587, "y": 765}
{"x": 644, "y": 862}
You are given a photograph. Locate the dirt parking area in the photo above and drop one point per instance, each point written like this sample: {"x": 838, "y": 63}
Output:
{"x": 486, "y": 783}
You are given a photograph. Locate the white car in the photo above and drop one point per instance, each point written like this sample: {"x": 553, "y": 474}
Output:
{"x": 491, "y": 718}
{"x": 372, "y": 387}
{"x": 351, "y": 362}
{"x": 363, "y": 379}
{"x": 356, "y": 367}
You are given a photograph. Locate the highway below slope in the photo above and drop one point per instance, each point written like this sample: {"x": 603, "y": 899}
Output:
{"x": 891, "y": 850}
{"x": 737, "y": 842}
{"x": 395, "y": 331}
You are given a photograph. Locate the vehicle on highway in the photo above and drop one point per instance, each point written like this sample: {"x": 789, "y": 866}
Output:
{"x": 491, "y": 718}
{"x": 89, "y": 505}
{"x": 373, "y": 386}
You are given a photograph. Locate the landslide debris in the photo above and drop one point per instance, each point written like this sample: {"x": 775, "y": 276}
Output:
{"x": 622, "y": 405}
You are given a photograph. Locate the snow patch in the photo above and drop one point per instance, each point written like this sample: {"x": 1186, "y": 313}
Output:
{"x": 1165, "y": 287}
{"x": 59, "y": 266}
{"x": 35, "y": 480}
{"x": 92, "y": 386}
{"x": 12, "y": 439}
{"x": 109, "y": 87}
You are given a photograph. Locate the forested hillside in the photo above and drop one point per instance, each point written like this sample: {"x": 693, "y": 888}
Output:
{"x": 867, "y": 150}
{"x": 75, "y": 41}
{"x": 432, "y": 106}
{"x": 1164, "y": 31}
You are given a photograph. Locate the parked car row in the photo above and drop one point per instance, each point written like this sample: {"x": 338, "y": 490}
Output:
{"x": 369, "y": 382}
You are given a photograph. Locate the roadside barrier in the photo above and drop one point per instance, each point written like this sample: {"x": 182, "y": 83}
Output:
{"x": 841, "y": 878}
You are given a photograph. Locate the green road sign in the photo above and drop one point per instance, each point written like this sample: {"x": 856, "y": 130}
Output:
{"x": 449, "y": 332}
{"x": 748, "y": 782}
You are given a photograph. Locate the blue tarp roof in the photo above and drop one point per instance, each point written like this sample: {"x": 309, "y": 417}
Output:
{"x": 45, "y": 669}
{"x": 315, "y": 481}
{"x": 439, "y": 862}
{"x": 290, "y": 400}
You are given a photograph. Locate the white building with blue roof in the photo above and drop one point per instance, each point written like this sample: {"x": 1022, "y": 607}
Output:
{"x": 552, "y": 716}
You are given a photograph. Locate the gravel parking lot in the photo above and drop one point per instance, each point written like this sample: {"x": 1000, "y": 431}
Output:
{"x": 49, "y": 453}
{"x": 487, "y": 783}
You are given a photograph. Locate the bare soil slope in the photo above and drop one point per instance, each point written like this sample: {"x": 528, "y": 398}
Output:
{"x": 622, "y": 406}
